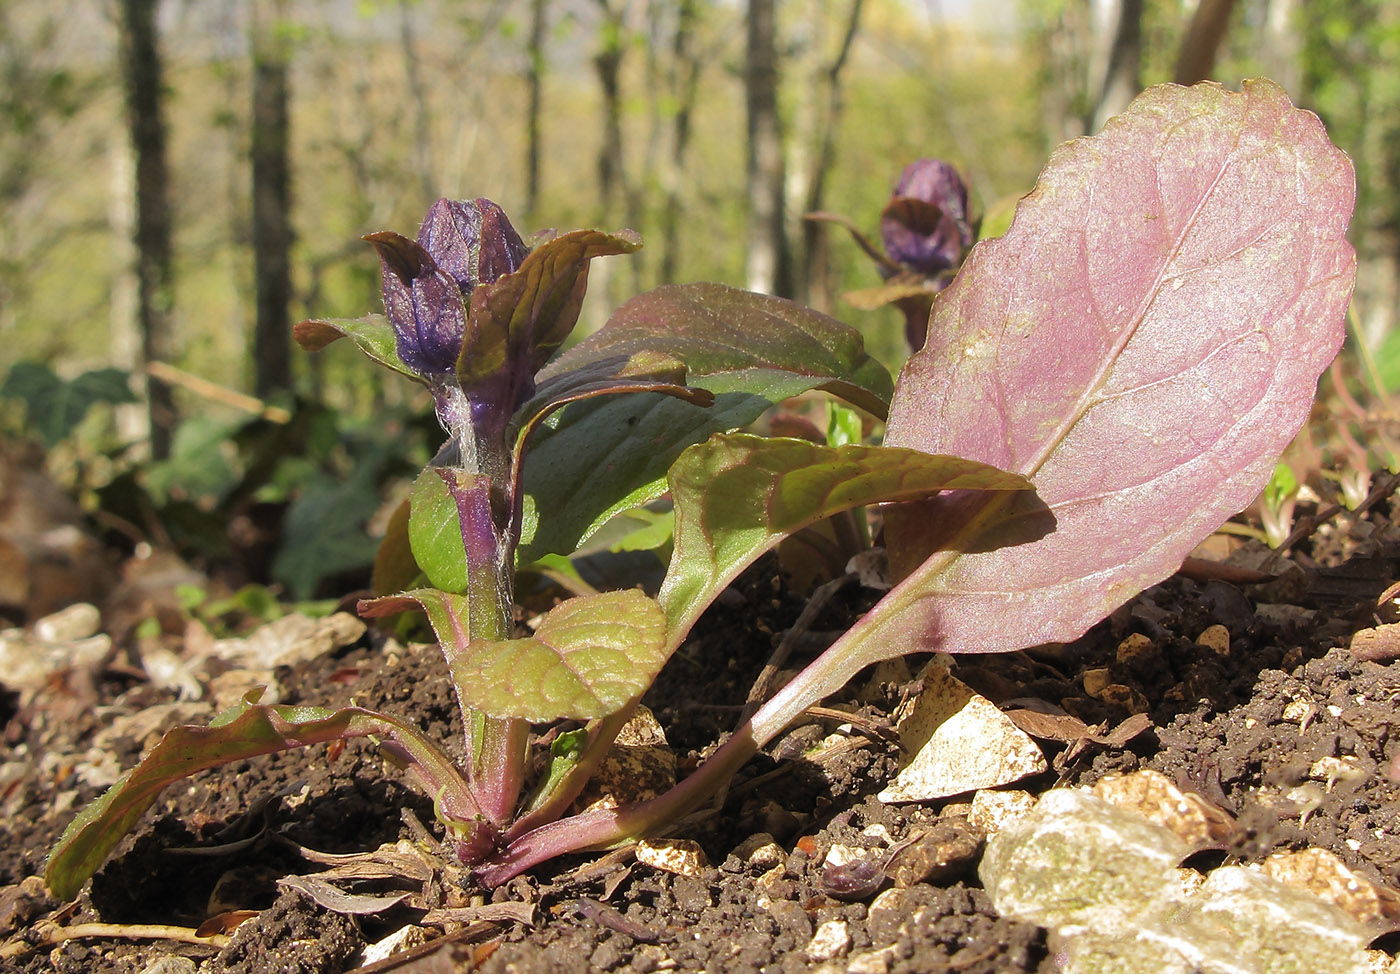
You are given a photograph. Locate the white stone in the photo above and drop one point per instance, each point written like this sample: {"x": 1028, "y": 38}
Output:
{"x": 832, "y": 939}
{"x": 960, "y": 741}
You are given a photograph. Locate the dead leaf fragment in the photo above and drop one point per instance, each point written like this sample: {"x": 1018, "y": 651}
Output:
{"x": 960, "y": 742}
{"x": 338, "y": 901}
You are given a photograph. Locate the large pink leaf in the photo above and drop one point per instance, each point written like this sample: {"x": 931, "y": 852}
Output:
{"x": 1142, "y": 343}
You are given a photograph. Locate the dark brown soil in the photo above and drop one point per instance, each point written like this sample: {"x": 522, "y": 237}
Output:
{"x": 1217, "y": 726}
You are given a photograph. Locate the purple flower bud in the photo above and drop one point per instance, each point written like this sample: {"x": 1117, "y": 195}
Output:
{"x": 472, "y": 241}
{"x": 925, "y": 226}
{"x": 427, "y": 282}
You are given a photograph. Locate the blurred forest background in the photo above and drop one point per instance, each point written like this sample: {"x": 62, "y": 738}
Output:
{"x": 181, "y": 180}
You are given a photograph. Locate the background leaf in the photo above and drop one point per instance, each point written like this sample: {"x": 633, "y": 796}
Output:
{"x": 1142, "y": 343}
{"x": 54, "y": 407}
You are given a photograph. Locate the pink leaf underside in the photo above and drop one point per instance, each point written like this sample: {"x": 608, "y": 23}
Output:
{"x": 1142, "y": 343}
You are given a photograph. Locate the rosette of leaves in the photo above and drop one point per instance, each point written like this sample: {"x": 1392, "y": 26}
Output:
{"x": 1102, "y": 387}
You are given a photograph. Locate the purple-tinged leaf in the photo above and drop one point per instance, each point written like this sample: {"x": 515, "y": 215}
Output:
{"x": 736, "y": 496}
{"x": 242, "y": 732}
{"x": 518, "y": 321}
{"x": 598, "y": 458}
{"x": 732, "y": 340}
{"x": 1142, "y": 343}
{"x": 372, "y": 333}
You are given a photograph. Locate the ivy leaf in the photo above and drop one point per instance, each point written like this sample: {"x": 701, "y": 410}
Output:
{"x": 54, "y": 407}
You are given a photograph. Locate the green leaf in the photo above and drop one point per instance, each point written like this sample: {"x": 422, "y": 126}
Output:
{"x": 843, "y": 425}
{"x": 53, "y": 407}
{"x": 736, "y": 496}
{"x": 242, "y": 732}
{"x": 435, "y": 532}
{"x": 324, "y": 531}
{"x": 598, "y": 458}
{"x": 595, "y": 459}
{"x": 590, "y": 657}
{"x": 372, "y": 333}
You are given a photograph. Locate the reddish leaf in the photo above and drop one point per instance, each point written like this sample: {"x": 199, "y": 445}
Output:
{"x": 1143, "y": 343}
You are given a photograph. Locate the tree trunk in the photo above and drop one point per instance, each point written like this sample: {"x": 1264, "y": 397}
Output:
{"x": 422, "y": 156}
{"x": 534, "y": 78}
{"x": 1281, "y": 50}
{"x": 686, "y": 68}
{"x": 141, "y": 77}
{"x": 1122, "y": 64}
{"x": 272, "y": 229}
{"x": 814, "y": 252}
{"x": 1196, "y": 59}
{"x": 769, "y": 265}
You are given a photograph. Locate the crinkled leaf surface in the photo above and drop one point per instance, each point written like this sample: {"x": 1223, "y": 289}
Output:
{"x": 590, "y": 657}
{"x": 736, "y": 496}
{"x": 596, "y": 458}
{"x": 245, "y": 731}
{"x": 372, "y": 333}
{"x": 715, "y": 330}
{"x": 1142, "y": 343}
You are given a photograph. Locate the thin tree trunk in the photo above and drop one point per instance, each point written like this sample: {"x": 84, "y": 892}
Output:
{"x": 686, "y": 68}
{"x": 814, "y": 251}
{"x": 534, "y": 77}
{"x": 1196, "y": 59}
{"x": 769, "y": 266}
{"x": 272, "y": 229}
{"x": 1123, "y": 65}
{"x": 141, "y": 74}
{"x": 1282, "y": 49}
{"x": 422, "y": 119}
{"x": 608, "y": 63}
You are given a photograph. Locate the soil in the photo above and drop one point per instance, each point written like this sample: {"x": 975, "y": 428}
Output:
{"x": 1219, "y": 726}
